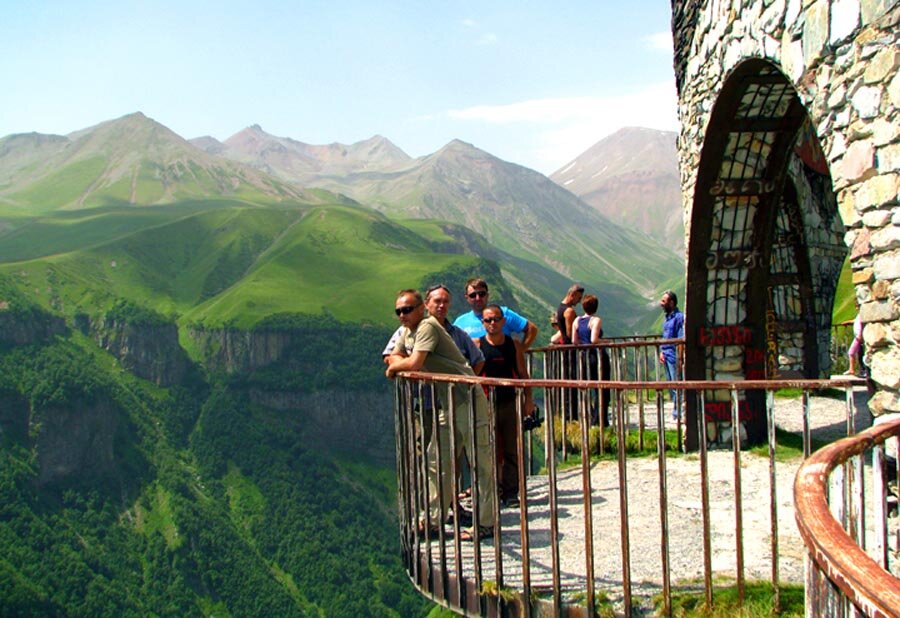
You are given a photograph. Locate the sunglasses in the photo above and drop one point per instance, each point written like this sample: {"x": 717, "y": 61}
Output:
{"x": 406, "y": 310}
{"x": 477, "y": 294}
{"x": 491, "y": 320}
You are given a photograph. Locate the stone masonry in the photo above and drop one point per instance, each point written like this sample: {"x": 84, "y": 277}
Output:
{"x": 838, "y": 60}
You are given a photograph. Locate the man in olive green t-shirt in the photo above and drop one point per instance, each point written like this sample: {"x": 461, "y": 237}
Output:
{"x": 424, "y": 345}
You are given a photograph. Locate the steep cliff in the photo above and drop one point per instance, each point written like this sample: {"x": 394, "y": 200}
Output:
{"x": 319, "y": 369}
{"x": 148, "y": 350}
{"x": 76, "y": 439}
{"x": 26, "y": 325}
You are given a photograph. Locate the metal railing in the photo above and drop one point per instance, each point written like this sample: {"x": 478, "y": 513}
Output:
{"x": 676, "y": 521}
{"x": 850, "y": 545}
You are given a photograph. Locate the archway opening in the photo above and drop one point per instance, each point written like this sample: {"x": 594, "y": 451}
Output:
{"x": 765, "y": 249}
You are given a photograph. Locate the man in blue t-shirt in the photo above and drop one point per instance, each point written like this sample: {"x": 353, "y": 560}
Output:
{"x": 478, "y": 297}
{"x": 673, "y": 328}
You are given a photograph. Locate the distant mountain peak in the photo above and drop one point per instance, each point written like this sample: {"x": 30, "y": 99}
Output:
{"x": 631, "y": 176}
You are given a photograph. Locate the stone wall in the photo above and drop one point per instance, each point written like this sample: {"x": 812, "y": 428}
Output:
{"x": 841, "y": 58}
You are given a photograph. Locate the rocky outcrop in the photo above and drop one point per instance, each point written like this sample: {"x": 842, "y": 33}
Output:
{"x": 13, "y": 415}
{"x": 28, "y": 326}
{"x": 357, "y": 422}
{"x": 150, "y": 351}
{"x": 238, "y": 351}
{"x": 75, "y": 439}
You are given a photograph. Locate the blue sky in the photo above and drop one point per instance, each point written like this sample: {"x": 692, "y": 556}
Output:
{"x": 534, "y": 83}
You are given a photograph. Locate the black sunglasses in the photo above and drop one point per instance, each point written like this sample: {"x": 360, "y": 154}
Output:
{"x": 477, "y": 294}
{"x": 491, "y": 320}
{"x": 406, "y": 310}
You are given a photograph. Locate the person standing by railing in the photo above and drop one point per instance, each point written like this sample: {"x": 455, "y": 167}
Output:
{"x": 478, "y": 297}
{"x": 504, "y": 357}
{"x": 854, "y": 352}
{"x": 424, "y": 345}
{"x": 588, "y": 328}
{"x": 673, "y": 328}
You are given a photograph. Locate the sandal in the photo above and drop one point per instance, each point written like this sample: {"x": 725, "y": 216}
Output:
{"x": 484, "y": 532}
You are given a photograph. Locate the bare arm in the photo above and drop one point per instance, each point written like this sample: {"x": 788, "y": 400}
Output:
{"x": 522, "y": 370}
{"x": 531, "y": 332}
{"x": 596, "y": 326}
{"x": 569, "y": 315}
{"x": 405, "y": 363}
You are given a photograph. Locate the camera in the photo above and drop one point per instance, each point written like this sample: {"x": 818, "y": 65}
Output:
{"x": 533, "y": 421}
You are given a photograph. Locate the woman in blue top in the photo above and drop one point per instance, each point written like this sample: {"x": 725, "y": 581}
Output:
{"x": 589, "y": 329}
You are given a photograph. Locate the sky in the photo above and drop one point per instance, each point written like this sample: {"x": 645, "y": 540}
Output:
{"x": 534, "y": 83}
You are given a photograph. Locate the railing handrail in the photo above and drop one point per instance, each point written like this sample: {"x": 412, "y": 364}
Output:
{"x": 744, "y": 385}
{"x": 859, "y": 577}
{"x": 611, "y": 342}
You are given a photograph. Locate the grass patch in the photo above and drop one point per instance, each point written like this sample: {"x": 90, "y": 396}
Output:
{"x": 759, "y": 600}
{"x": 610, "y": 443}
{"x": 788, "y": 446}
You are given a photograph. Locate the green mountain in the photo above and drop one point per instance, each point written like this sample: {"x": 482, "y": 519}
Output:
{"x": 524, "y": 214}
{"x": 130, "y": 160}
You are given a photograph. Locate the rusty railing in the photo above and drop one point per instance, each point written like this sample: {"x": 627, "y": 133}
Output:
{"x": 608, "y": 525}
{"x": 850, "y": 545}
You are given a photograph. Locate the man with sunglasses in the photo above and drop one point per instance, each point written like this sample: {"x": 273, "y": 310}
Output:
{"x": 505, "y": 358}
{"x": 437, "y": 302}
{"x": 425, "y": 345}
{"x": 479, "y": 298}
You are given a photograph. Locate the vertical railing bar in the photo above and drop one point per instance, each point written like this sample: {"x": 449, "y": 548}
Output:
{"x": 623, "y": 500}
{"x": 807, "y": 437}
{"x": 773, "y": 499}
{"x": 738, "y": 499}
{"x": 588, "y": 508}
{"x": 476, "y": 497}
{"x": 417, "y": 457}
{"x": 403, "y": 496}
{"x": 523, "y": 513}
{"x": 640, "y": 396}
{"x": 859, "y": 510}
{"x": 663, "y": 503}
{"x": 852, "y": 469}
{"x": 442, "y": 508}
{"x": 878, "y": 506}
{"x": 563, "y": 406}
{"x": 704, "y": 498}
{"x": 495, "y": 484}
{"x": 426, "y": 491}
{"x": 554, "y": 524}
{"x": 454, "y": 467}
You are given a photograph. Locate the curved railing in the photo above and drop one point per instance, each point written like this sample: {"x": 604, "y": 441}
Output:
{"x": 842, "y": 571}
{"x": 591, "y": 527}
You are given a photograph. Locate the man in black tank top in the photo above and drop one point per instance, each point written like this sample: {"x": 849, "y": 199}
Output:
{"x": 504, "y": 358}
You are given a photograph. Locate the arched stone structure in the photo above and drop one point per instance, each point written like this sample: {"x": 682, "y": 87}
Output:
{"x": 790, "y": 160}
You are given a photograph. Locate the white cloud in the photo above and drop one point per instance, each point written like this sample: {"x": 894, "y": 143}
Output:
{"x": 562, "y": 128}
{"x": 489, "y": 38}
{"x": 469, "y": 23}
{"x": 661, "y": 41}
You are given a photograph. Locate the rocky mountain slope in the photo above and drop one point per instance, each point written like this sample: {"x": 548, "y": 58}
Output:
{"x": 631, "y": 177}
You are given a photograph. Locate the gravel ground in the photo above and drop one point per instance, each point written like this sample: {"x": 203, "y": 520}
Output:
{"x": 684, "y": 541}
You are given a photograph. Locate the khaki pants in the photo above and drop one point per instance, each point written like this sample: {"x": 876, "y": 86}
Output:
{"x": 440, "y": 494}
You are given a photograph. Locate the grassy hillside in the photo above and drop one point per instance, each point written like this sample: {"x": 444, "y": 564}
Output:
{"x": 216, "y": 262}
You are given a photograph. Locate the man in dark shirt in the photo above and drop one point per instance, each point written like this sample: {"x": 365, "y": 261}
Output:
{"x": 504, "y": 358}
